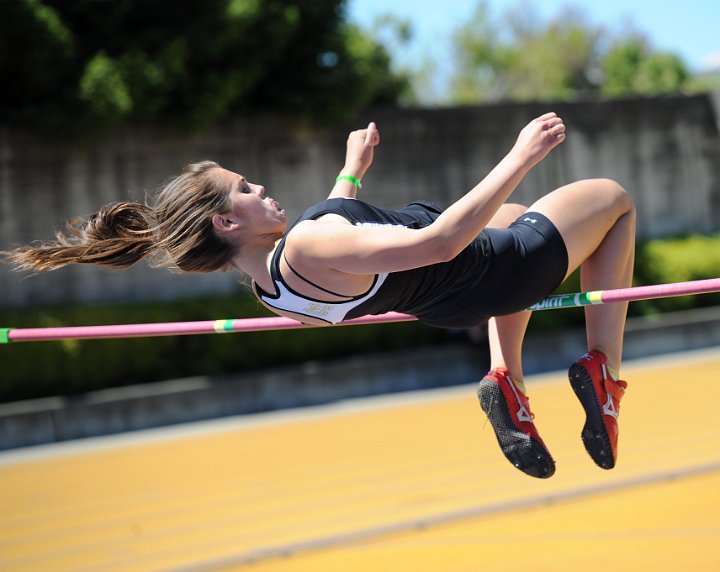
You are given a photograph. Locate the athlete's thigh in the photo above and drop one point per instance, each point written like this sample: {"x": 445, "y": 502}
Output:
{"x": 506, "y": 215}
{"x": 584, "y": 212}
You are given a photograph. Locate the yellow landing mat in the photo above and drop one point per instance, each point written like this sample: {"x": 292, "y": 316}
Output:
{"x": 414, "y": 482}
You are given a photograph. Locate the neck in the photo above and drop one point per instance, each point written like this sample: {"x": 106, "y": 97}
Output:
{"x": 253, "y": 260}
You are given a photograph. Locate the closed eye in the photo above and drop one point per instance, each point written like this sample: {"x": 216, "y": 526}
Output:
{"x": 243, "y": 186}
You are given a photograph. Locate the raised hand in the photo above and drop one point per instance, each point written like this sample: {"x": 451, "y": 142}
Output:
{"x": 539, "y": 137}
{"x": 360, "y": 149}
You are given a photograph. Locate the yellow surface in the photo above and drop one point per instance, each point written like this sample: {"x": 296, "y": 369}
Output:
{"x": 395, "y": 485}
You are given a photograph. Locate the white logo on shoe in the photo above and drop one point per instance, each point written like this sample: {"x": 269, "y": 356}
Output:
{"x": 609, "y": 407}
{"x": 522, "y": 413}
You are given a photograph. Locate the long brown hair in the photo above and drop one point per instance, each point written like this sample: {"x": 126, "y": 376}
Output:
{"x": 176, "y": 232}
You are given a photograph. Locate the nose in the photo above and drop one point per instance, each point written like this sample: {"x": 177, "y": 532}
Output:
{"x": 259, "y": 189}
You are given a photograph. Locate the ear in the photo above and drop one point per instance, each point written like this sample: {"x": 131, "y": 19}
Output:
{"x": 224, "y": 223}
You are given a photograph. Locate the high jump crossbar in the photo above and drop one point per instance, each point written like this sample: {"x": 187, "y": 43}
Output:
{"x": 553, "y": 302}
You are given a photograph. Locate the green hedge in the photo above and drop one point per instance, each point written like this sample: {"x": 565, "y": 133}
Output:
{"x": 659, "y": 261}
{"x": 40, "y": 369}
{"x": 678, "y": 260}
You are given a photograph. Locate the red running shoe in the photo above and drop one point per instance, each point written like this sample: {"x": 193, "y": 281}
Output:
{"x": 508, "y": 410}
{"x": 600, "y": 396}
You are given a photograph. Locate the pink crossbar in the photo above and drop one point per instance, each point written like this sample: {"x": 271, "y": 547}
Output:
{"x": 181, "y": 328}
{"x": 661, "y": 291}
{"x": 263, "y": 324}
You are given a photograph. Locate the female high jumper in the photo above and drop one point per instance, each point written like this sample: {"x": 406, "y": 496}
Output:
{"x": 479, "y": 260}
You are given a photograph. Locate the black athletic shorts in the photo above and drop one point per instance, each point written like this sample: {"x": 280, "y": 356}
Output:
{"x": 528, "y": 261}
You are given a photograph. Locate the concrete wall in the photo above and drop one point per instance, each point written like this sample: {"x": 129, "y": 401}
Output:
{"x": 666, "y": 152}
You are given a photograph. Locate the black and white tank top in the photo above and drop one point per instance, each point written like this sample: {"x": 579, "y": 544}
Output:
{"x": 410, "y": 291}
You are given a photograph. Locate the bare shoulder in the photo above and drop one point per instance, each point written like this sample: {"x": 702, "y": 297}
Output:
{"x": 309, "y": 233}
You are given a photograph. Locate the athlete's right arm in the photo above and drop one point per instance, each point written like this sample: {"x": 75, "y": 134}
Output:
{"x": 462, "y": 221}
{"x": 370, "y": 250}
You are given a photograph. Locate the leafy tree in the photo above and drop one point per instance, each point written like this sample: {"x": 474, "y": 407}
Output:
{"x": 98, "y": 62}
{"x": 630, "y": 68}
{"x": 394, "y": 34}
{"x": 519, "y": 57}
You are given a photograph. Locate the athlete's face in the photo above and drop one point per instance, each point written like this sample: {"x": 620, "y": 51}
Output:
{"x": 251, "y": 208}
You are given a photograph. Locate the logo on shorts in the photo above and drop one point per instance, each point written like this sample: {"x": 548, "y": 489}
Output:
{"x": 528, "y": 219}
{"x": 317, "y": 309}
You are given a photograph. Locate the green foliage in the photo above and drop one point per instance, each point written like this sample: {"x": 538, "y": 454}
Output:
{"x": 705, "y": 81}
{"x": 35, "y": 50}
{"x": 92, "y": 63}
{"x": 678, "y": 260}
{"x": 629, "y": 68}
{"x": 519, "y": 57}
{"x": 103, "y": 88}
{"x": 660, "y": 261}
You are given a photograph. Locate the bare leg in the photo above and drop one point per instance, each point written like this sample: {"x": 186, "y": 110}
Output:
{"x": 597, "y": 222}
{"x": 596, "y": 219}
{"x": 506, "y": 333}
{"x": 502, "y": 396}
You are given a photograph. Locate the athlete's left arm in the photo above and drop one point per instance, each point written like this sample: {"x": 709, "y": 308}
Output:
{"x": 358, "y": 158}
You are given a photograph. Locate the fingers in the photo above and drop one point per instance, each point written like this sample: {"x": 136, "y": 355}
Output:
{"x": 549, "y": 120}
{"x": 546, "y": 116}
{"x": 372, "y": 136}
{"x": 556, "y": 129}
{"x": 552, "y": 124}
{"x": 369, "y": 136}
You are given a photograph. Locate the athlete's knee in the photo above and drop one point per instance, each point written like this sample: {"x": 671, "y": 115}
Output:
{"x": 619, "y": 197}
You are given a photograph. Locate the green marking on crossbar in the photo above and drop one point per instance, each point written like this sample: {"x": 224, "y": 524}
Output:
{"x": 568, "y": 300}
{"x": 222, "y": 326}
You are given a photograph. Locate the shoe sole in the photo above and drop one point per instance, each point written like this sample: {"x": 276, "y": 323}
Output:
{"x": 524, "y": 452}
{"x": 594, "y": 434}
